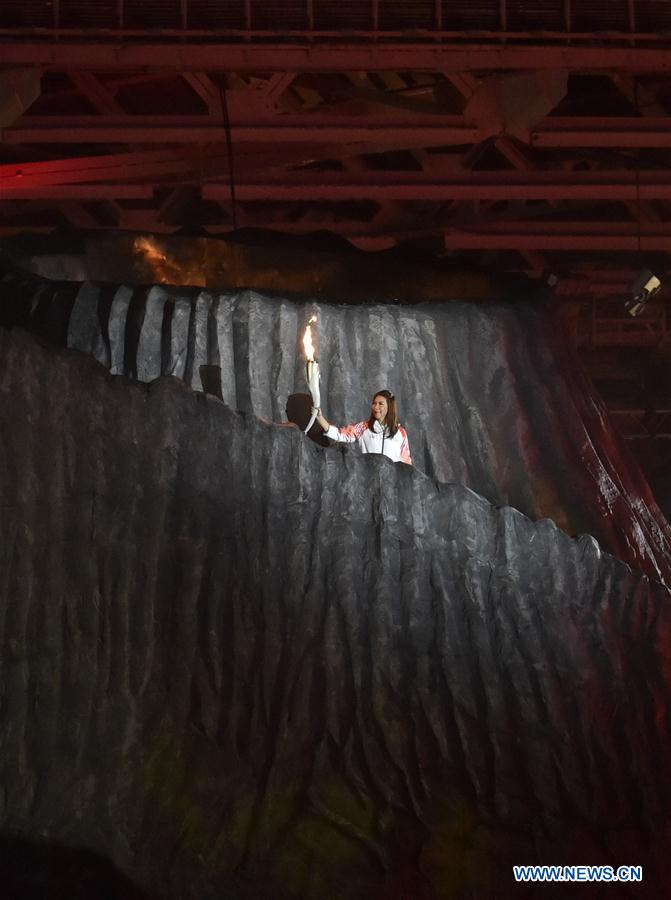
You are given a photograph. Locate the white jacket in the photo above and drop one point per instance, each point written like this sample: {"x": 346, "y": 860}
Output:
{"x": 375, "y": 441}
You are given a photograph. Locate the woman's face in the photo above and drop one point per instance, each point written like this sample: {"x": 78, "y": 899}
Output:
{"x": 379, "y": 408}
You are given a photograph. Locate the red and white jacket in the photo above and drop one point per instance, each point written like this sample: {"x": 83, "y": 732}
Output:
{"x": 375, "y": 441}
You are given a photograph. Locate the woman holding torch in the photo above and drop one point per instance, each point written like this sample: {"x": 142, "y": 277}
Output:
{"x": 381, "y": 433}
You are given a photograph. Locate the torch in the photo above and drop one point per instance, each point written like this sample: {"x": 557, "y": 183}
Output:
{"x": 312, "y": 372}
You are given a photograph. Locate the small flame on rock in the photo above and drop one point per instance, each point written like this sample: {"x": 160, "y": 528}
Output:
{"x": 164, "y": 268}
{"x": 153, "y": 257}
{"x": 308, "y": 346}
{"x": 150, "y": 250}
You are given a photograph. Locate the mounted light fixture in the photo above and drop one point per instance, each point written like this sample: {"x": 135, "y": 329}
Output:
{"x": 646, "y": 286}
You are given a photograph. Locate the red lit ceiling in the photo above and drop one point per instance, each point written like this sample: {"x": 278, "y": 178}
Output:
{"x": 525, "y": 137}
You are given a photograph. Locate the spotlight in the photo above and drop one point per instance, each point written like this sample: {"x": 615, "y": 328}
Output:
{"x": 645, "y": 287}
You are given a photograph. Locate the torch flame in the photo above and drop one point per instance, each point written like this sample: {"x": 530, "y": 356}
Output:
{"x": 308, "y": 346}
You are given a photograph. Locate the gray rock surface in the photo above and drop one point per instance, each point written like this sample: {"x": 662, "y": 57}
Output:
{"x": 492, "y": 394}
{"x": 238, "y": 665}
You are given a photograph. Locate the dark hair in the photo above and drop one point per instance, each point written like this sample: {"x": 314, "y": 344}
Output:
{"x": 391, "y": 420}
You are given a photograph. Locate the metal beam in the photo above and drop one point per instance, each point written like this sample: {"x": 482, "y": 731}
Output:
{"x": 614, "y": 131}
{"x": 201, "y": 130}
{"x": 82, "y": 52}
{"x": 394, "y": 129}
{"x": 147, "y": 165}
{"x": 273, "y": 88}
{"x": 101, "y": 98}
{"x": 401, "y": 189}
{"x": 595, "y": 282}
{"x": 19, "y": 89}
{"x": 181, "y": 162}
{"x": 536, "y": 240}
{"x": 576, "y": 227}
{"x": 79, "y": 192}
{"x": 467, "y": 84}
{"x": 78, "y": 215}
{"x": 176, "y": 165}
{"x": 465, "y": 186}
{"x": 640, "y": 96}
{"x": 647, "y": 104}
{"x": 204, "y": 87}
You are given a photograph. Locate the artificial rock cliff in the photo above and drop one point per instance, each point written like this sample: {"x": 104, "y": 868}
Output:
{"x": 492, "y": 394}
{"x": 238, "y": 665}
